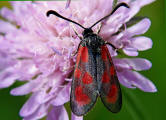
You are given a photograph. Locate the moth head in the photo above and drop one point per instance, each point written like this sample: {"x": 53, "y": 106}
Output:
{"x": 87, "y": 31}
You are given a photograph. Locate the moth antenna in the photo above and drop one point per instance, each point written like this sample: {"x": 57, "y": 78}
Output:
{"x": 118, "y": 6}
{"x": 60, "y": 16}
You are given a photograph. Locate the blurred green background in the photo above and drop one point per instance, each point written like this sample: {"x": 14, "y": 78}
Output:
{"x": 137, "y": 105}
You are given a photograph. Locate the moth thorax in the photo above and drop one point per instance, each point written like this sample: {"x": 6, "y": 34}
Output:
{"x": 93, "y": 41}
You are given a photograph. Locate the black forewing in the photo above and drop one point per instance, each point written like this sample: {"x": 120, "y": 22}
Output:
{"x": 108, "y": 84}
{"x": 84, "y": 90}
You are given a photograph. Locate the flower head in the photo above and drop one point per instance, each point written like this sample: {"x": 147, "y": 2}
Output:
{"x": 38, "y": 50}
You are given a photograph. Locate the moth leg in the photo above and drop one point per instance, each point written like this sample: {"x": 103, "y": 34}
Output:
{"x": 108, "y": 43}
{"x": 76, "y": 32}
{"x": 115, "y": 48}
{"x": 76, "y": 50}
{"x": 99, "y": 28}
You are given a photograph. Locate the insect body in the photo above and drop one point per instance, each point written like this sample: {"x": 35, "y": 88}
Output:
{"x": 94, "y": 73}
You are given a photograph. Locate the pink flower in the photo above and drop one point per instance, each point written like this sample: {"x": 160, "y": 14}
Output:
{"x": 38, "y": 50}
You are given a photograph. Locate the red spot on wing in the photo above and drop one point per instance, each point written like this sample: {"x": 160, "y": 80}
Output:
{"x": 79, "y": 54}
{"x": 87, "y": 78}
{"x": 105, "y": 77}
{"x": 81, "y": 98}
{"x": 84, "y": 54}
{"x": 103, "y": 53}
{"x": 113, "y": 93}
{"x": 112, "y": 70}
{"x": 77, "y": 73}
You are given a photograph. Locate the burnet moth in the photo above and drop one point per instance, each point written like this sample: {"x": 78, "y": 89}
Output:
{"x": 94, "y": 73}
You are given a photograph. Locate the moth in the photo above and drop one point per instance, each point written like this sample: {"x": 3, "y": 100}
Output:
{"x": 94, "y": 73}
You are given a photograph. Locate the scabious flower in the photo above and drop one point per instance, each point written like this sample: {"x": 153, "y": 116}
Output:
{"x": 38, "y": 50}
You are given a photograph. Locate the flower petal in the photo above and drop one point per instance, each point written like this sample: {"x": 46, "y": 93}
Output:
{"x": 139, "y": 64}
{"x": 134, "y": 9}
{"x": 25, "y": 89}
{"x": 139, "y": 81}
{"x": 130, "y": 51}
{"x": 139, "y": 28}
{"x": 74, "y": 117}
{"x": 26, "y": 70}
{"x": 6, "y": 27}
{"x": 5, "y": 60}
{"x": 68, "y": 3}
{"x": 40, "y": 112}
{"x": 63, "y": 96}
{"x": 133, "y": 64}
{"x": 141, "y": 43}
{"x": 145, "y": 2}
{"x": 120, "y": 64}
{"x": 124, "y": 80}
{"x": 7, "y": 78}
{"x": 58, "y": 113}
{"x": 32, "y": 104}
{"x": 7, "y": 14}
